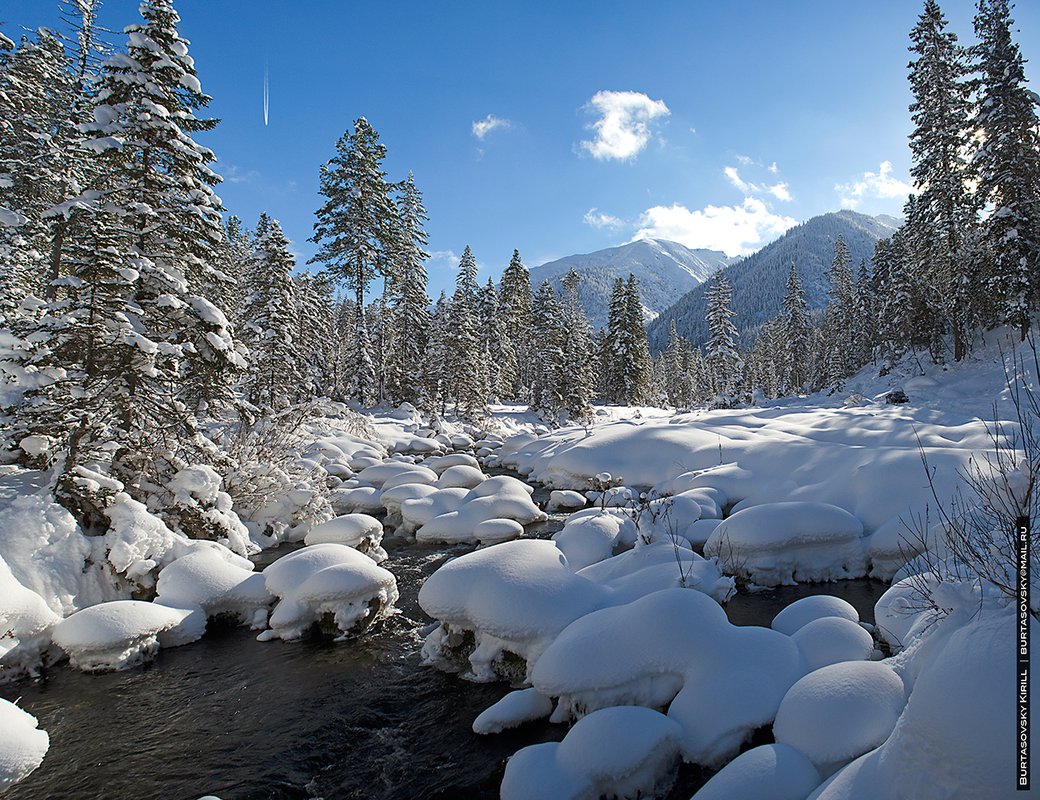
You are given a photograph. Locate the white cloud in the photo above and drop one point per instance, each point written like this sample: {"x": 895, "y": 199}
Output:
{"x": 622, "y": 129}
{"x": 773, "y": 168}
{"x": 747, "y": 161}
{"x": 448, "y": 257}
{"x": 881, "y": 185}
{"x": 735, "y": 230}
{"x": 599, "y": 219}
{"x": 779, "y": 190}
{"x": 482, "y": 127}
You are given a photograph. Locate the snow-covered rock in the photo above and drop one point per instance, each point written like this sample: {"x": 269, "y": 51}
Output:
{"x": 673, "y": 648}
{"x": 25, "y": 621}
{"x": 356, "y": 500}
{"x": 592, "y": 535}
{"x": 461, "y": 475}
{"x": 516, "y": 708}
{"x": 124, "y": 633}
{"x": 818, "y": 606}
{"x": 773, "y": 771}
{"x": 360, "y": 531}
{"x": 624, "y": 753}
{"x": 501, "y": 497}
{"x": 841, "y": 711}
{"x": 784, "y": 543}
{"x": 830, "y": 640}
{"x": 566, "y": 500}
{"x": 22, "y": 744}
{"x": 218, "y": 581}
{"x": 441, "y": 463}
{"x": 416, "y": 512}
{"x": 329, "y": 584}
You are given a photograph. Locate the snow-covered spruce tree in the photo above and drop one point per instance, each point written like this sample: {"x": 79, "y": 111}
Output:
{"x": 435, "y": 376}
{"x": 1007, "y": 164}
{"x": 158, "y": 180}
{"x": 866, "y": 318}
{"x": 514, "y": 297}
{"x": 231, "y": 264}
{"x": 493, "y": 341}
{"x": 355, "y": 231}
{"x": 840, "y": 319}
{"x": 945, "y": 211}
{"x": 410, "y": 307}
{"x": 547, "y": 346}
{"x": 626, "y": 358}
{"x": 723, "y": 361}
{"x": 466, "y": 373}
{"x": 796, "y": 334}
{"x": 576, "y": 377}
{"x": 344, "y": 320}
{"x": 672, "y": 368}
{"x": 380, "y": 331}
{"x": 269, "y": 320}
{"x": 315, "y": 335}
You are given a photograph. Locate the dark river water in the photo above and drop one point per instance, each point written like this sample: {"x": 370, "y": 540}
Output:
{"x": 239, "y": 719}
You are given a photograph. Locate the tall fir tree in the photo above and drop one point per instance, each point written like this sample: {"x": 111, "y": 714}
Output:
{"x": 547, "y": 351}
{"x": 796, "y": 336}
{"x": 515, "y": 299}
{"x": 576, "y": 378}
{"x": 355, "y": 233}
{"x": 466, "y": 373}
{"x": 840, "y": 319}
{"x": 945, "y": 209}
{"x": 722, "y": 359}
{"x": 1007, "y": 164}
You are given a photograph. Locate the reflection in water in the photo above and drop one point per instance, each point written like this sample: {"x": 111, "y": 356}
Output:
{"x": 241, "y": 719}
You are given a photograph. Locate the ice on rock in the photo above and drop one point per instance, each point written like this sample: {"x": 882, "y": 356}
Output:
{"x": 417, "y": 511}
{"x": 566, "y": 500}
{"x": 673, "y": 648}
{"x": 124, "y": 633}
{"x": 462, "y": 475}
{"x": 22, "y": 744}
{"x": 513, "y": 597}
{"x": 501, "y": 497}
{"x": 360, "y": 531}
{"x": 625, "y": 753}
{"x": 516, "y": 708}
{"x": 818, "y": 606}
{"x": 784, "y": 543}
{"x": 218, "y": 581}
{"x": 831, "y": 640}
{"x": 841, "y": 711}
{"x": 329, "y": 584}
{"x": 590, "y": 537}
{"x": 773, "y": 771}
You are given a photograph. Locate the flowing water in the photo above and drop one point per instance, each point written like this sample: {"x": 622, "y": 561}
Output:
{"x": 240, "y": 719}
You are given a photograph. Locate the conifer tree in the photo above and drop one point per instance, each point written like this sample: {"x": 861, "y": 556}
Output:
{"x": 466, "y": 374}
{"x": 515, "y": 300}
{"x": 493, "y": 340}
{"x": 315, "y": 335}
{"x": 1007, "y": 164}
{"x": 270, "y": 316}
{"x": 840, "y": 319}
{"x": 576, "y": 374}
{"x": 547, "y": 351}
{"x": 723, "y": 361}
{"x": 796, "y": 335}
{"x": 355, "y": 233}
{"x": 634, "y": 349}
{"x": 436, "y": 374}
{"x": 945, "y": 210}
{"x": 410, "y": 309}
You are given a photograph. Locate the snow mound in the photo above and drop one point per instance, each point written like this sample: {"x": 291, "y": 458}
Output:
{"x": 590, "y": 537}
{"x": 360, "y": 531}
{"x": 773, "y": 771}
{"x": 124, "y": 633}
{"x": 516, "y": 708}
{"x": 329, "y": 584}
{"x": 461, "y": 475}
{"x": 565, "y": 500}
{"x": 492, "y": 531}
{"x": 898, "y": 609}
{"x": 784, "y": 543}
{"x": 25, "y": 620}
{"x": 841, "y": 711}
{"x": 218, "y": 581}
{"x": 497, "y": 498}
{"x": 831, "y": 640}
{"x": 441, "y": 463}
{"x": 669, "y": 517}
{"x": 417, "y": 511}
{"x": 624, "y": 752}
{"x": 22, "y": 744}
{"x": 356, "y": 500}
{"x": 818, "y": 606}
{"x": 416, "y": 474}
{"x": 955, "y": 740}
{"x": 675, "y": 647}
{"x": 513, "y": 597}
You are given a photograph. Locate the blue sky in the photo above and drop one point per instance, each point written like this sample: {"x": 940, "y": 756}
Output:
{"x": 715, "y": 124}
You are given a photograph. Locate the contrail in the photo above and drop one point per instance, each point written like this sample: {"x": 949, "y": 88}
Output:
{"x": 266, "y": 94}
